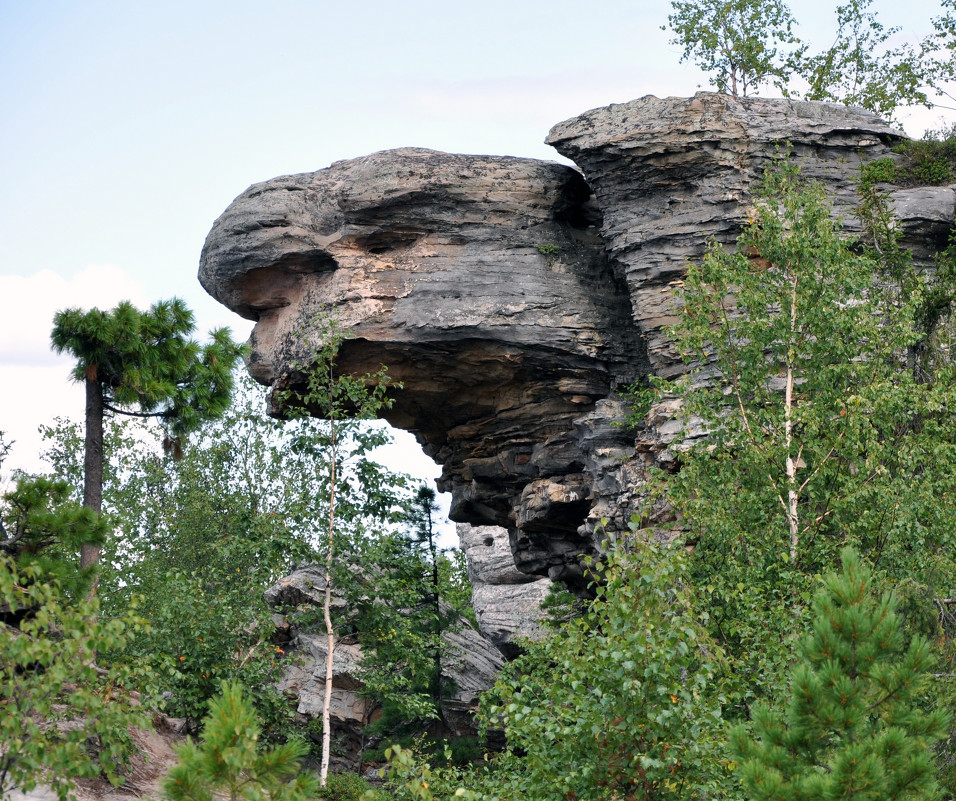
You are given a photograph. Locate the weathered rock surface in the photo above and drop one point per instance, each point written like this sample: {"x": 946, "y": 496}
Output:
{"x": 672, "y": 174}
{"x": 507, "y": 602}
{"x": 470, "y": 665}
{"x": 482, "y": 283}
{"x": 513, "y": 303}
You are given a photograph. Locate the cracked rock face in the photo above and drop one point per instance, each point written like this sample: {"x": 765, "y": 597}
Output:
{"x": 507, "y": 602}
{"x": 482, "y": 284}
{"x": 514, "y": 297}
{"x": 470, "y": 663}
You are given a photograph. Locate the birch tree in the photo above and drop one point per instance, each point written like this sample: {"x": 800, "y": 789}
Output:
{"x": 820, "y": 434}
{"x": 340, "y": 402}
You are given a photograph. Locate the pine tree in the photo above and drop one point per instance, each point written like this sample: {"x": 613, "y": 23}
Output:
{"x": 40, "y": 525}
{"x": 128, "y": 358}
{"x": 854, "y": 727}
{"x": 227, "y": 760}
{"x": 425, "y": 537}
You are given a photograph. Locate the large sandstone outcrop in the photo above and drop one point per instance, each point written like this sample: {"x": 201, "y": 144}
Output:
{"x": 514, "y": 303}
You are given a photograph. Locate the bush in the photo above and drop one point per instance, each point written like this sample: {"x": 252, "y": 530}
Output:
{"x": 619, "y": 702}
{"x": 204, "y": 631}
{"x": 227, "y": 761}
{"x": 348, "y": 787}
{"x": 62, "y": 717}
{"x": 879, "y": 171}
{"x": 929, "y": 161}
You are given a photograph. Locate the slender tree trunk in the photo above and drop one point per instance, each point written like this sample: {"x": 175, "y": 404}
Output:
{"x": 436, "y": 687}
{"x": 327, "y": 701}
{"x": 93, "y": 461}
{"x": 792, "y": 494}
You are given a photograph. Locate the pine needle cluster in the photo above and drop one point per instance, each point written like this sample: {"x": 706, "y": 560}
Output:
{"x": 227, "y": 760}
{"x": 856, "y": 725}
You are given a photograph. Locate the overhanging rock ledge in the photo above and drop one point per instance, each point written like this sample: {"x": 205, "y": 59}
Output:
{"x": 514, "y": 298}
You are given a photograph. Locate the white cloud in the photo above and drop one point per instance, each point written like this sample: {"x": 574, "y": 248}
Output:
{"x": 28, "y": 303}
{"x": 35, "y": 396}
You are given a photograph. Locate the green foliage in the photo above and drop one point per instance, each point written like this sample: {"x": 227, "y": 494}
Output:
{"x": 938, "y": 51}
{"x": 349, "y": 787}
{"x": 739, "y": 41}
{"x": 879, "y": 171}
{"x": 822, "y": 432}
{"x": 929, "y": 161}
{"x": 40, "y": 525}
{"x": 61, "y": 716}
{"x": 402, "y": 625}
{"x": 640, "y": 397}
{"x": 131, "y": 358}
{"x": 855, "y": 726}
{"x": 411, "y": 777}
{"x": 205, "y": 629}
{"x": 331, "y": 413}
{"x": 227, "y": 759}
{"x": 550, "y": 251}
{"x": 619, "y": 702}
{"x": 745, "y": 44}
{"x": 202, "y": 537}
{"x": 860, "y": 68}
{"x": 452, "y": 752}
{"x": 146, "y": 359}
{"x": 340, "y": 402}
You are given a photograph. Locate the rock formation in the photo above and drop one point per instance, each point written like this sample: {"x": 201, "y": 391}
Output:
{"x": 514, "y": 298}
{"x": 470, "y": 666}
{"x": 507, "y": 602}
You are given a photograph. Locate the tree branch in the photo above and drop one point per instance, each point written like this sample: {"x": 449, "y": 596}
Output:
{"x": 129, "y": 413}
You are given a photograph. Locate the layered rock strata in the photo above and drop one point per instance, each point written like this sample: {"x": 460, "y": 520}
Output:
{"x": 470, "y": 664}
{"x": 513, "y": 303}
{"x": 506, "y": 601}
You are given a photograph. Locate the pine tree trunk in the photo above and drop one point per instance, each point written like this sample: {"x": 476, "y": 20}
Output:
{"x": 93, "y": 461}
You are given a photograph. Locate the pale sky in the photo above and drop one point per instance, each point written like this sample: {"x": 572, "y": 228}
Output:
{"x": 128, "y": 127}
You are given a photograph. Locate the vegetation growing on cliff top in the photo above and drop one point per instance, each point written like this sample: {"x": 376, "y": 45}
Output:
{"x": 929, "y": 161}
{"x": 746, "y": 44}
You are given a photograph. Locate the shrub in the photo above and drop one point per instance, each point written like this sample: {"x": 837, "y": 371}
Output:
{"x": 227, "y": 761}
{"x": 62, "y": 717}
{"x": 620, "y": 701}
{"x": 929, "y": 161}
{"x": 348, "y": 787}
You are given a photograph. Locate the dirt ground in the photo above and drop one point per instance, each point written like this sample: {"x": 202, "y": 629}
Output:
{"x": 146, "y": 769}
